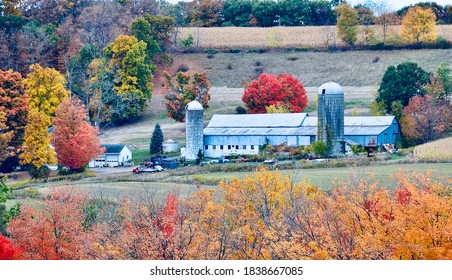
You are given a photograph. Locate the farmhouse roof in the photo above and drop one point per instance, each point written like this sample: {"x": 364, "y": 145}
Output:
{"x": 113, "y": 148}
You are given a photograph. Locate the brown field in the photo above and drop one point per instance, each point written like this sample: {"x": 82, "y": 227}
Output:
{"x": 436, "y": 150}
{"x": 306, "y": 36}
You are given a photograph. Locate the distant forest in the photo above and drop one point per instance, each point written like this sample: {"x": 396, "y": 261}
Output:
{"x": 50, "y": 32}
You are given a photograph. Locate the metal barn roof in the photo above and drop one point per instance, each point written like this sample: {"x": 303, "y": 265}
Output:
{"x": 257, "y": 120}
{"x": 290, "y": 125}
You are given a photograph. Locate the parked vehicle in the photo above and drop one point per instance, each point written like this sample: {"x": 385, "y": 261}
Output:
{"x": 148, "y": 169}
{"x": 242, "y": 159}
{"x": 269, "y": 161}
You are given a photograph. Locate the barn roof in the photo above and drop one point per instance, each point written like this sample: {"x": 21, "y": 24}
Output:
{"x": 113, "y": 148}
{"x": 257, "y": 120}
{"x": 289, "y": 124}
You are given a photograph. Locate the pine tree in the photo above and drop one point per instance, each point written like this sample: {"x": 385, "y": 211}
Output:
{"x": 156, "y": 140}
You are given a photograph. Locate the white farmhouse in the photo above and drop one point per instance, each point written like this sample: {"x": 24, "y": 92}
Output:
{"x": 114, "y": 155}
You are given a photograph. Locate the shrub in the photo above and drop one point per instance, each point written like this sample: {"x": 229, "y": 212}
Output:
{"x": 183, "y": 68}
{"x": 39, "y": 173}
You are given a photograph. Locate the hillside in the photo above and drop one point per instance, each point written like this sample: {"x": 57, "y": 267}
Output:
{"x": 360, "y": 73}
{"x": 349, "y": 68}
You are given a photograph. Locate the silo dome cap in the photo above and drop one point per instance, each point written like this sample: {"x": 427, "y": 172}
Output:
{"x": 331, "y": 88}
{"x": 194, "y": 105}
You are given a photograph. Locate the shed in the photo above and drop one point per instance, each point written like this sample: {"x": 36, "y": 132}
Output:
{"x": 114, "y": 155}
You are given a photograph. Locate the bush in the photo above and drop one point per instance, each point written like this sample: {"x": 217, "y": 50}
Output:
{"x": 41, "y": 173}
{"x": 187, "y": 42}
{"x": 240, "y": 110}
{"x": 183, "y": 68}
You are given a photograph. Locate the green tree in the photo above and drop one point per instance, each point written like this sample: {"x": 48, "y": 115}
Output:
{"x": 131, "y": 74}
{"x": 6, "y": 215}
{"x": 401, "y": 83}
{"x": 294, "y": 12}
{"x": 237, "y": 12}
{"x": 157, "y": 139}
{"x": 418, "y": 25}
{"x": 266, "y": 13}
{"x": 347, "y": 23}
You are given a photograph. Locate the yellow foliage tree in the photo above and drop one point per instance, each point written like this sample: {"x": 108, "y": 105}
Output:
{"x": 36, "y": 149}
{"x": 419, "y": 25}
{"x": 46, "y": 89}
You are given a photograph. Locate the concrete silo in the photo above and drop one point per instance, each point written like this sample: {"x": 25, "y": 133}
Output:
{"x": 194, "y": 130}
{"x": 330, "y": 128}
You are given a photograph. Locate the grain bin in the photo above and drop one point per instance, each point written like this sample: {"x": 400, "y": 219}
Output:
{"x": 170, "y": 146}
{"x": 330, "y": 128}
{"x": 194, "y": 130}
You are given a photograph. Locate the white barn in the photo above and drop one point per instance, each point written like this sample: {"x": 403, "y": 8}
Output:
{"x": 114, "y": 155}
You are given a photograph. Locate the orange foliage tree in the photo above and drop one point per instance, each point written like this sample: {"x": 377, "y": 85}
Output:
{"x": 74, "y": 139}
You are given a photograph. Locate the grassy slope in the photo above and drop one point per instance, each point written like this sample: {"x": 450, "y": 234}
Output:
{"x": 351, "y": 68}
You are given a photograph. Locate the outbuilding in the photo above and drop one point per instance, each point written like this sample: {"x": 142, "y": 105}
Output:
{"x": 114, "y": 155}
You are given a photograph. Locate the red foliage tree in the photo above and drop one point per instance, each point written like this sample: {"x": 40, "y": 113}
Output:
{"x": 74, "y": 139}
{"x": 7, "y": 250}
{"x": 425, "y": 119}
{"x": 281, "y": 91}
{"x": 54, "y": 229}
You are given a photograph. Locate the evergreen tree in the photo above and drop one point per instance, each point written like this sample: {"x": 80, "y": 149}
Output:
{"x": 156, "y": 140}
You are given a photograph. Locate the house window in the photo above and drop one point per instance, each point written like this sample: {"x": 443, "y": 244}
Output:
{"x": 252, "y": 147}
{"x": 207, "y": 147}
{"x": 229, "y": 147}
{"x": 236, "y": 147}
{"x": 221, "y": 147}
{"x": 214, "y": 147}
{"x": 127, "y": 157}
{"x": 244, "y": 147}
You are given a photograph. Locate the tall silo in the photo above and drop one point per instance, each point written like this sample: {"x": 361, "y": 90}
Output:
{"x": 330, "y": 128}
{"x": 193, "y": 129}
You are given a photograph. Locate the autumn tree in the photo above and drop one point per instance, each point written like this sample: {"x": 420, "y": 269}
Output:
{"x": 182, "y": 90}
{"x": 5, "y": 138}
{"x": 36, "y": 148}
{"x": 282, "y": 91}
{"x": 157, "y": 138}
{"x": 401, "y": 83}
{"x": 74, "y": 139}
{"x": 426, "y": 119}
{"x": 7, "y": 250}
{"x": 53, "y": 229}
{"x": 46, "y": 89}
{"x": 206, "y": 13}
{"x": 418, "y": 25}
{"x": 13, "y": 104}
{"x": 131, "y": 74}
{"x": 347, "y": 23}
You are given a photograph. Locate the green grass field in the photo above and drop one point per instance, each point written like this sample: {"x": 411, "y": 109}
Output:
{"x": 327, "y": 178}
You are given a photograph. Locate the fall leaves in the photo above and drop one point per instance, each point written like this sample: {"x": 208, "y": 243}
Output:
{"x": 266, "y": 216}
